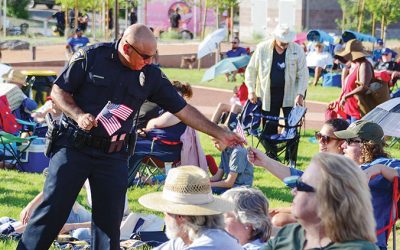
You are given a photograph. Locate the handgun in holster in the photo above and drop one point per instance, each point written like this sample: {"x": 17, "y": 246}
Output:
{"x": 53, "y": 131}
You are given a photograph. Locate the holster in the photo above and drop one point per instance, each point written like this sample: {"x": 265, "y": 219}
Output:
{"x": 53, "y": 131}
{"x": 132, "y": 143}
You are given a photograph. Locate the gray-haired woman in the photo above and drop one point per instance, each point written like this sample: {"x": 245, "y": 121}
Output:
{"x": 249, "y": 222}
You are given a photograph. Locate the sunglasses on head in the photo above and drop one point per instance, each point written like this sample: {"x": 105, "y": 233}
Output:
{"x": 325, "y": 139}
{"x": 144, "y": 56}
{"x": 296, "y": 182}
{"x": 353, "y": 141}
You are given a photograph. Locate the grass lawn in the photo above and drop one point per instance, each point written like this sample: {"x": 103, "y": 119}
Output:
{"x": 193, "y": 76}
{"x": 17, "y": 189}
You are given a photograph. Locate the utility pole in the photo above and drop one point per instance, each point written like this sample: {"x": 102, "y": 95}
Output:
{"x": 116, "y": 29}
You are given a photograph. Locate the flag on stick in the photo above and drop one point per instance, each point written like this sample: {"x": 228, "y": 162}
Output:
{"x": 109, "y": 114}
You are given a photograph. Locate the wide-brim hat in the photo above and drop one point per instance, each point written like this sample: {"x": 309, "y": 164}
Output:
{"x": 187, "y": 191}
{"x": 16, "y": 77}
{"x": 283, "y": 33}
{"x": 365, "y": 130}
{"x": 353, "y": 50}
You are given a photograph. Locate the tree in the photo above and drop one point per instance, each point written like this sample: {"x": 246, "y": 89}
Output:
{"x": 17, "y": 8}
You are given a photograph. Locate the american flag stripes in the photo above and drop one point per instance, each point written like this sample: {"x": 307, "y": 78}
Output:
{"x": 240, "y": 131}
{"x": 109, "y": 114}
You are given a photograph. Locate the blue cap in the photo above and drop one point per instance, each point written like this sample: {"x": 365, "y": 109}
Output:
{"x": 386, "y": 51}
{"x": 78, "y": 30}
{"x": 379, "y": 41}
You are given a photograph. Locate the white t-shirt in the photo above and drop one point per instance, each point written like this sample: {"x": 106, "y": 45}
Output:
{"x": 210, "y": 239}
{"x": 321, "y": 60}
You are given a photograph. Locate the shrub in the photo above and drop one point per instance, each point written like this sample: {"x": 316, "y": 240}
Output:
{"x": 18, "y": 8}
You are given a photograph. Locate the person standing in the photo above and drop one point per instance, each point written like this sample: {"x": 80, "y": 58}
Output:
{"x": 133, "y": 16}
{"x": 60, "y": 17}
{"x": 77, "y": 41}
{"x": 100, "y": 92}
{"x": 175, "y": 19}
{"x": 277, "y": 73}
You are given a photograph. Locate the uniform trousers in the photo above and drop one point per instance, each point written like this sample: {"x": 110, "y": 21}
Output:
{"x": 69, "y": 168}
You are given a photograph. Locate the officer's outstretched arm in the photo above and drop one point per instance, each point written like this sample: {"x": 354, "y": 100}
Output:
{"x": 67, "y": 104}
{"x": 192, "y": 117}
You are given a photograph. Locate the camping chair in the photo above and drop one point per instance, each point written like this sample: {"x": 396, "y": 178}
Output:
{"x": 250, "y": 119}
{"x": 288, "y": 140}
{"x": 10, "y": 144}
{"x": 394, "y": 213}
{"x": 151, "y": 160}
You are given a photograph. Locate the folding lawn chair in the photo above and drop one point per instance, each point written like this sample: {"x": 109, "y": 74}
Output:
{"x": 288, "y": 140}
{"x": 10, "y": 144}
{"x": 250, "y": 119}
{"x": 152, "y": 155}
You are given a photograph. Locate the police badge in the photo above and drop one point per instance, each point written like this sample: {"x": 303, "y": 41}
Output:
{"x": 142, "y": 79}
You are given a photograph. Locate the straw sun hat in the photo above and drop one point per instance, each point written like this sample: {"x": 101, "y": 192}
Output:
{"x": 187, "y": 191}
{"x": 354, "y": 50}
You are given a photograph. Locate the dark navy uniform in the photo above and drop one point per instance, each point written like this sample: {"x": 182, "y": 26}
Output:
{"x": 94, "y": 77}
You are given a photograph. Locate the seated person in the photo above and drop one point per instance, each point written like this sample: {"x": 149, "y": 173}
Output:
{"x": 377, "y": 53}
{"x": 388, "y": 65}
{"x": 193, "y": 216}
{"x": 234, "y": 169}
{"x": 161, "y": 137}
{"x": 148, "y": 111}
{"x": 332, "y": 204}
{"x": 249, "y": 221}
{"x": 48, "y": 107}
{"x": 235, "y": 51}
{"x": 227, "y": 114}
{"x": 76, "y": 41}
{"x": 317, "y": 61}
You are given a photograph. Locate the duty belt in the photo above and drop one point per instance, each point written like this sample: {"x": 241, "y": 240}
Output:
{"x": 81, "y": 138}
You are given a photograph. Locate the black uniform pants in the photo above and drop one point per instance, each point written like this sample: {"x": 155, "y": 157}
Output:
{"x": 68, "y": 170}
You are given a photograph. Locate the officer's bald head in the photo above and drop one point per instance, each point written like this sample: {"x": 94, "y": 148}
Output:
{"x": 137, "y": 46}
{"x": 139, "y": 35}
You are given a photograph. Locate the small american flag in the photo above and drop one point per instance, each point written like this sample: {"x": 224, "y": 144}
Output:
{"x": 240, "y": 131}
{"x": 109, "y": 114}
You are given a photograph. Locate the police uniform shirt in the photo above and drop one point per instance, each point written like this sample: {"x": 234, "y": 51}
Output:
{"x": 96, "y": 76}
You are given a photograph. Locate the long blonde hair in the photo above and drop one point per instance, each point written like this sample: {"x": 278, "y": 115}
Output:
{"x": 345, "y": 205}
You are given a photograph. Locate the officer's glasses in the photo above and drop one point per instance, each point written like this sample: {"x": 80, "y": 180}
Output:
{"x": 144, "y": 56}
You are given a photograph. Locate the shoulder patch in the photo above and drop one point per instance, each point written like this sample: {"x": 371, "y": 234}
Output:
{"x": 79, "y": 55}
{"x": 164, "y": 76}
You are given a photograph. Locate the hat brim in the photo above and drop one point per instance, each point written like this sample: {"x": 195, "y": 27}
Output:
{"x": 345, "y": 134}
{"x": 288, "y": 38}
{"x": 155, "y": 201}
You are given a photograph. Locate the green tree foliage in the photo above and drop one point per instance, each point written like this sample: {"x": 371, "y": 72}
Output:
{"x": 18, "y": 8}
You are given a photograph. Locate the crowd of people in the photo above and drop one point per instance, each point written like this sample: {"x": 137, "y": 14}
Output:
{"x": 352, "y": 176}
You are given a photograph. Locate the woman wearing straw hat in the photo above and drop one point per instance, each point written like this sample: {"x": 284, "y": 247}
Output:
{"x": 193, "y": 216}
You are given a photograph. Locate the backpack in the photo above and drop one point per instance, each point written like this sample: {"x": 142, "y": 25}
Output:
{"x": 8, "y": 123}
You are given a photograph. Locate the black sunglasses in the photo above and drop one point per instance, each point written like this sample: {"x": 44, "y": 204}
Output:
{"x": 353, "y": 140}
{"x": 295, "y": 182}
{"x": 325, "y": 139}
{"x": 144, "y": 56}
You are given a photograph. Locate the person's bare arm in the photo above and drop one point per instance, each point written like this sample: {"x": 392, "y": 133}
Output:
{"x": 218, "y": 176}
{"x": 365, "y": 76}
{"x": 67, "y": 104}
{"x": 276, "y": 168}
{"x": 192, "y": 117}
{"x": 165, "y": 120}
{"x": 226, "y": 183}
{"x": 73, "y": 226}
{"x": 26, "y": 213}
{"x": 387, "y": 172}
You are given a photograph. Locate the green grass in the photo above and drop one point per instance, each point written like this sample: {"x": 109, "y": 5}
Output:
{"x": 193, "y": 76}
{"x": 17, "y": 189}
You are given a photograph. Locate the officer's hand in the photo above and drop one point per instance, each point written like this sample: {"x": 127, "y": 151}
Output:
{"x": 252, "y": 97}
{"x": 87, "y": 121}
{"x": 230, "y": 138}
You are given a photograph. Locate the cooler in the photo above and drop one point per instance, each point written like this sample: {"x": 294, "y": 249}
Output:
{"x": 332, "y": 80}
{"x": 33, "y": 159}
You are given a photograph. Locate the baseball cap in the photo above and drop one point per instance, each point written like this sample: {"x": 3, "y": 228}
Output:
{"x": 386, "y": 51}
{"x": 362, "y": 129}
{"x": 78, "y": 30}
{"x": 379, "y": 41}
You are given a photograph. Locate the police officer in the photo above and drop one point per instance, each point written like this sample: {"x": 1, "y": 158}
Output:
{"x": 119, "y": 73}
